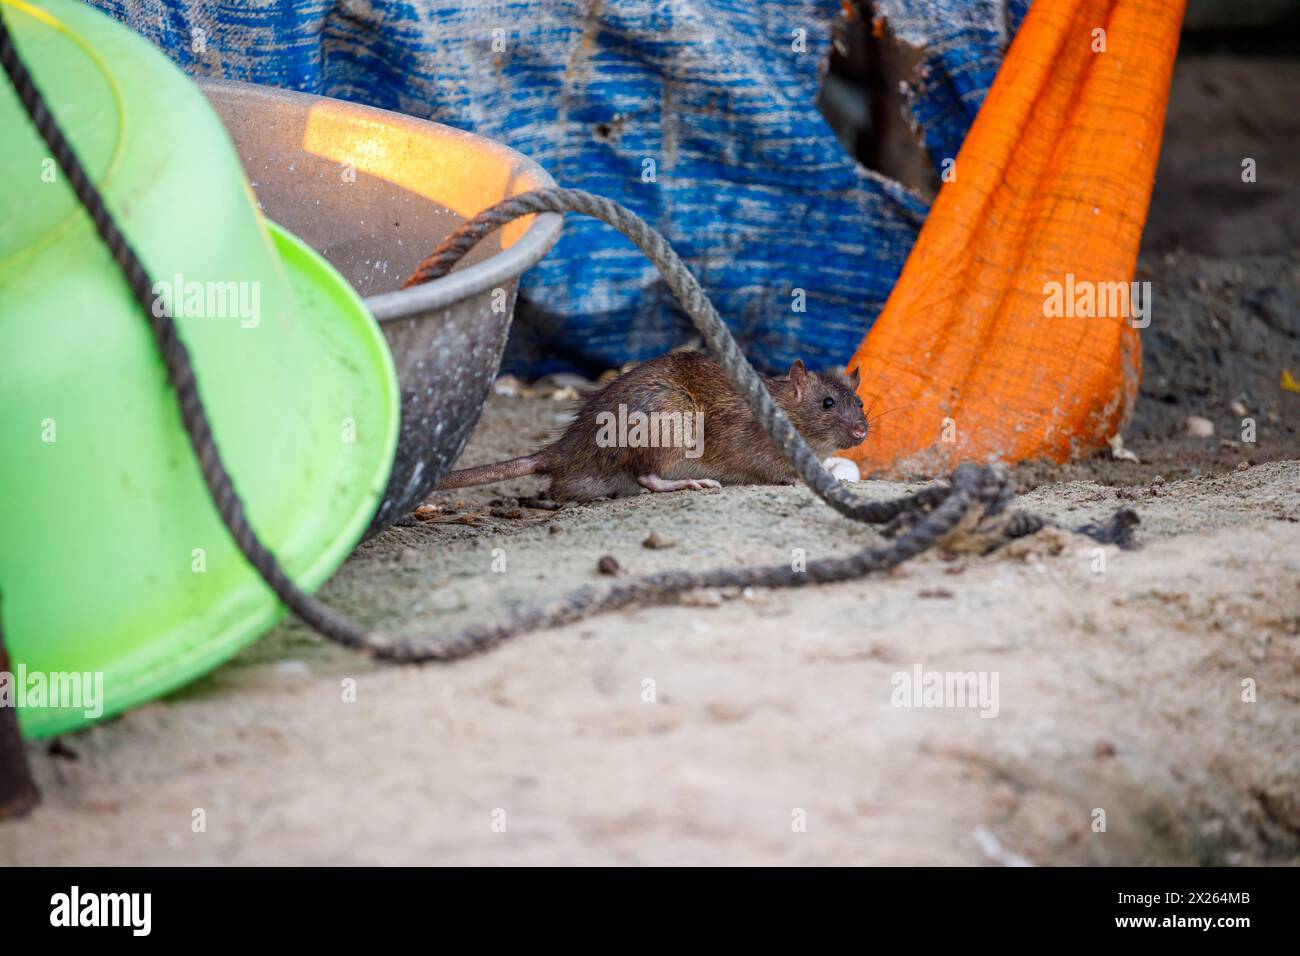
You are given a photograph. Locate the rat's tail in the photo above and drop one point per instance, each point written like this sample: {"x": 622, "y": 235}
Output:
{"x": 498, "y": 471}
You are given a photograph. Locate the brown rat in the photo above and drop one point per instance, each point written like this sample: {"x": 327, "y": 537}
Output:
{"x": 675, "y": 423}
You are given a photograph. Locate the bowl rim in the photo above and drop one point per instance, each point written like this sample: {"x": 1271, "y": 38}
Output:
{"x": 504, "y": 266}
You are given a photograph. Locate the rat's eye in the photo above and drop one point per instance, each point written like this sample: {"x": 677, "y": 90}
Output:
{"x": 828, "y": 402}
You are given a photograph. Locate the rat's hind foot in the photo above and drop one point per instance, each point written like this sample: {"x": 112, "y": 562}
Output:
{"x": 655, "y": 483}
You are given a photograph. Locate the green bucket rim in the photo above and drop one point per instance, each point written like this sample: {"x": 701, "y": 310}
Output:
{"x": 172, "y": 662}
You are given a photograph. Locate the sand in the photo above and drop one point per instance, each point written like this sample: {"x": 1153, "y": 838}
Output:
{"x": 760, "y": 730}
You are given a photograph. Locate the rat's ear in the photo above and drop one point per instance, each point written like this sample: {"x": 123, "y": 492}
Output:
{"x": 799, "y": 378}
{"x": 855, "y": 378}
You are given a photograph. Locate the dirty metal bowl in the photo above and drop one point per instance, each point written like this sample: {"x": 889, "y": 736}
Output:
{"x": 375, "y": 192}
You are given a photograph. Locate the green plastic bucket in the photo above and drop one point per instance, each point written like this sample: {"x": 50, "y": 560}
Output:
{"x": 114, "y": 565}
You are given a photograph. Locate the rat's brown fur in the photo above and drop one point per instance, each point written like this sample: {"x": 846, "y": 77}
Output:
{"x": 734, "y": 450}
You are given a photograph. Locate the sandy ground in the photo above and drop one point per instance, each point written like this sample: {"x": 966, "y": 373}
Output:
{"x": 771, "y": 735}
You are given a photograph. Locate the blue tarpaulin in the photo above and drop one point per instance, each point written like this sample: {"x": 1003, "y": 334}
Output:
{"x": 698, "y": 114}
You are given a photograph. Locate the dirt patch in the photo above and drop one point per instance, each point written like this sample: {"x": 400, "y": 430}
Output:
{"x": 758, "y": 728}
{"x": 1228, "y": 183}
{"x": 762, "y": 728}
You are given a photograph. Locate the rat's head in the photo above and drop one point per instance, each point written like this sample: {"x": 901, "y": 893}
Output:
{"x": 825, "y": 408}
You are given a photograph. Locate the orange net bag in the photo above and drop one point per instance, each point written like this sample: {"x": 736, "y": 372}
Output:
{"x": 1049, "y": 199}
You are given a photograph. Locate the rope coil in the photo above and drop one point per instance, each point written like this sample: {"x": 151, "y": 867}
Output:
{"x": 975, "y": 494}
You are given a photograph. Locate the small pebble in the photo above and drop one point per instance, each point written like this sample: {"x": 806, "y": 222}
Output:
{"x": 507, "y": 385}
{"x": 608, "y": 565}
{"x": 1199, "y": 427}
{"x": 656, "y": 541}
{"x": 57, "y": 748}
{"x": 702, "y": 597}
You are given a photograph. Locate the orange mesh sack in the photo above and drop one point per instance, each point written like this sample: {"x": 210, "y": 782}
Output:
{"x": 1012, "y": 332}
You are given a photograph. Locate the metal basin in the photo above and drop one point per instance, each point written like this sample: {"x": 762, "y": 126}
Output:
{"x": 375, "y": 192}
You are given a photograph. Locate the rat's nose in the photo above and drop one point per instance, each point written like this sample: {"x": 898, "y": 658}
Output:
{"x": 859, "y": 432}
